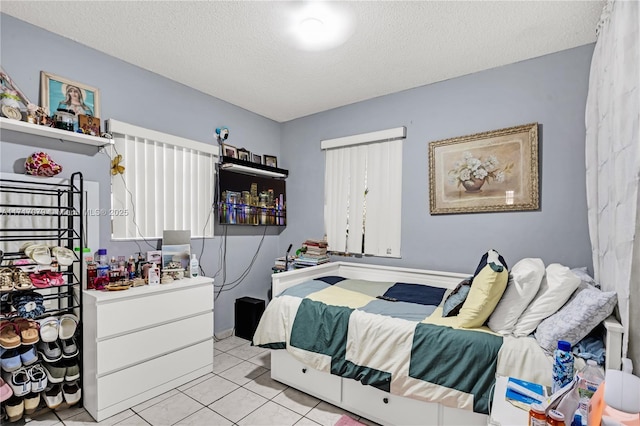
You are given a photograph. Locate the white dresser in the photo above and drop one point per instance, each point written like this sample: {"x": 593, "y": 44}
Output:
{"x": 144, "y": 341}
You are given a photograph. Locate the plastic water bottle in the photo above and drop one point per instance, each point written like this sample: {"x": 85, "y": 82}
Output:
{"x": 562, "y": 366}
{"x": 589, "y": 378}
{"x": 194, "y": 266}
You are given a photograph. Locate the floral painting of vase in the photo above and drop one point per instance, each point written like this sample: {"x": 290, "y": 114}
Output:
{"x": 491, "y": 171}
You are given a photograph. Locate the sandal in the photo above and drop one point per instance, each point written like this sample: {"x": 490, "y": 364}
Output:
{"x": 40, "y": 280}
{"x": 9, "y": 337}
{"x": 29, "y": 331}
{"x": 21, "y": 280}
{"x": 6, "y": 279}
{"x": 64, "y": 256}
{"x": 39, "y": 253}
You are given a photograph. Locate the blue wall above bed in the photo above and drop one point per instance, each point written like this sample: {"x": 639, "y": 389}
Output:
{"x": 550, "y": 90}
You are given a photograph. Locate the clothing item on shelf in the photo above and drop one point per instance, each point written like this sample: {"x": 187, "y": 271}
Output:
{"x": 49, "y": 329}
{"x": 28, "y": 330}
{"x": 38, "y": 378}
{"x": 14, "y": 407}
{"x": 55, "y": 372}
{"x": 68, "y": 325}
{"x": 28, "y": 354}
{"x": 9, "y": 336}
{"x": 5, "y": 391}
{"x": 19, "y": 381}
{"x": 71, "y": 392}
{"x": 31, "y": 402}
{"x": 69, "y": 348}
{"x": 53, "y": 396}
{"x": 50, "y": 351}
{"x": 10, "y": 360}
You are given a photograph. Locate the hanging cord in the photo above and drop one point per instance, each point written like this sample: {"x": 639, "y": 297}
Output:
{"x": 245, "y": 273}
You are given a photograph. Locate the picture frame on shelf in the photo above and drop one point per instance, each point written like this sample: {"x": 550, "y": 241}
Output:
{"x": 271, "y": 161}
{"x": 61, "y": 93}
{"x": 256, "y": 158}
{"x": 244, "y": 155}
{"x": 89, "y": 125}
{"x": 491, "y": 171}
{"x": 229, "y": 151}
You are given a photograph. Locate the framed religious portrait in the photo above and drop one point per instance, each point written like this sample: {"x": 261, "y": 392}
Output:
{"x": 271, "y": 161}
{"x": 59, "y": 93}
{"x": 492, "y": 171}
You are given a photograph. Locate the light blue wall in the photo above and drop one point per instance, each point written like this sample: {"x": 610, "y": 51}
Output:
{"x": 140, "y": 97}
{"x": 550, "y": 90}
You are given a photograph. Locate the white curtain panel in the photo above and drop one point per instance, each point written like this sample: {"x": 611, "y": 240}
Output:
{"x": 613, "y": 157}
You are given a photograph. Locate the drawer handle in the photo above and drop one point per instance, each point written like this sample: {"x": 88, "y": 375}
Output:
{"x": 304, "y": 370}
{"x": 385, "y": 400}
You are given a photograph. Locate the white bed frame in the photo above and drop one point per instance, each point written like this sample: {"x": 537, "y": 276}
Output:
{"x": 367, "y": 401}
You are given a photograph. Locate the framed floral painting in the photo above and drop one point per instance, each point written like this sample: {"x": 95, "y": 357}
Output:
{"x": 492, "y": 171}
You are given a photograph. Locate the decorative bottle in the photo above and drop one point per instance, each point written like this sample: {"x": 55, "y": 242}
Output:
{"x": 562, "y": 366}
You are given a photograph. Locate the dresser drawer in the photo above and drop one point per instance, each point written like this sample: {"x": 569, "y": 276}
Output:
{"x": 382, "y": 407}
{"x": 127, "y": 383}
{"x": 122, "y": 316}
{"x": 288, "y": 370}
{"x": 132, "y": 348}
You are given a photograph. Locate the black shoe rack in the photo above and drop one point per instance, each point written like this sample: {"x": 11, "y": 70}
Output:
{"x": 45, "y": 211}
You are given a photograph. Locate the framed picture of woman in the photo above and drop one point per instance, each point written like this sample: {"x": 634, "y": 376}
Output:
{"x": 60, "y": 93}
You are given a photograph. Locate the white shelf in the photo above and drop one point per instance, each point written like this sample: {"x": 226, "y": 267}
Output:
{"x": 15, "y": 131}
{"x": 252, "y": 170}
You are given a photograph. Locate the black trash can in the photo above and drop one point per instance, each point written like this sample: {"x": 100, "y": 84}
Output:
{"x": 248, "y": 311}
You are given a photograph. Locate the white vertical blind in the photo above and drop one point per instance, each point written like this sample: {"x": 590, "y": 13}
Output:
{"x": 168, "y": 183}
{"x": 363, "y": 186}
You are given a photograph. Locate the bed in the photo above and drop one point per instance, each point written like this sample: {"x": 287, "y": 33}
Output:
{"x": 426, "y": 383}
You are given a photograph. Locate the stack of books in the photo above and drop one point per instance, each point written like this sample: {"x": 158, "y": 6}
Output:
{"x": 314, "y": 254}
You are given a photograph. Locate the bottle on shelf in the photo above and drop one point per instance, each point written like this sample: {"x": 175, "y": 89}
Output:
{"x": 537, "y": 415}
{"x": 589, "y": 378}
{"x": 562, "y": 366}
{"x": 92, "y": 273}
{"x": 102, "y": 256}
{"x": 194, "y": 266}
{"x": 555, "y": 418}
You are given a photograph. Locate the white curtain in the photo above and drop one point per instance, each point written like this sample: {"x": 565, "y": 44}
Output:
{"x": 613, "y": 160}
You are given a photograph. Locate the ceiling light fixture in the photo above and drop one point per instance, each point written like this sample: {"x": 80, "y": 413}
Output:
{"x": 319, "y": 26}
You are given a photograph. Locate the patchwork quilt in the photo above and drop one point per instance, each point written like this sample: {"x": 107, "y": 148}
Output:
{"x": 399, "y": 343}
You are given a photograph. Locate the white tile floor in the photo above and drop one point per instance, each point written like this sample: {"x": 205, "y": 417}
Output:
{"x": 239, "y": 392}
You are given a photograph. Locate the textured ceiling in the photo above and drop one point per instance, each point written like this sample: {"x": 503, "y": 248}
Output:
{"x": 243, "y": 52}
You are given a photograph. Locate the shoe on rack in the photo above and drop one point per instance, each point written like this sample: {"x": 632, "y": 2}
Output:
{"x": 10, "y": 360}
{"x": 71, "y": 392}
{"x": 9, "y": 335}
{"x": 38, "y": 378}
{"x": 5, "y": 391}
{"x": 29, "y": 330}
{"x": 19, "y": 381}
{"x": 15, "y": 408}
{"x": 72, "y": 371}
{"x": 28, "y": 355}
{"x": 31, "y": 402}
{"x": 53, "y": 396}
{"x": 68, "y": 326}
{"x": 49, "y": 329}
{"x": 56, "y": 372}
{"x": 50, "y": 351}
{"x": 69, "y": 348}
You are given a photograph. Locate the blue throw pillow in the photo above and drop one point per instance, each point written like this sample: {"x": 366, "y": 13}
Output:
{"x": 456, "y": 299}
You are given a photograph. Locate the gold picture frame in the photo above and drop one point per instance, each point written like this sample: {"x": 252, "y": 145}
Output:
{"x": 58, "y": 93}
{"x": 493, "y": 171}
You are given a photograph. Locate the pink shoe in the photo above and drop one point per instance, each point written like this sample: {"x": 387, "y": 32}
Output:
{"x": 5, "y": 391}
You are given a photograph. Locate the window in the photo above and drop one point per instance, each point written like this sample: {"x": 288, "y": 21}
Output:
{"x": 167, "y": 183}
{"x": 363, "y": 193}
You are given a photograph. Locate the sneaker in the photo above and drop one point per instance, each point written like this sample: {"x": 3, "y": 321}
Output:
{"x": 72, "y": 372}
{"x": 31, "y": 402}
{"x": 71, "y": 392}
{"x": 69, "y": 348}
{"x": 53, "y": 396}
{"x": 38, "y": 378}
{"x": 28, "y": 355}
{"x": 10, "y": 360}
{"x": 55, "y": 372}
{"x": 19, "y": 381}
{"x": 50, "y": 351}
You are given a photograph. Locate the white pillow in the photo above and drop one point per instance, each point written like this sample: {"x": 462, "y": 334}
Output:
{"x": 557, "y": 286}
{"x": 524, "y": 282}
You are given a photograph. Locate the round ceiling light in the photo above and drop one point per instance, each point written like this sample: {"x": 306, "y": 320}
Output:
{"x": 320, "y": 27}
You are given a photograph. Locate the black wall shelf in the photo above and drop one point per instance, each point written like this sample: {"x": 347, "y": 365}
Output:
{"x": 247, "y": 167}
